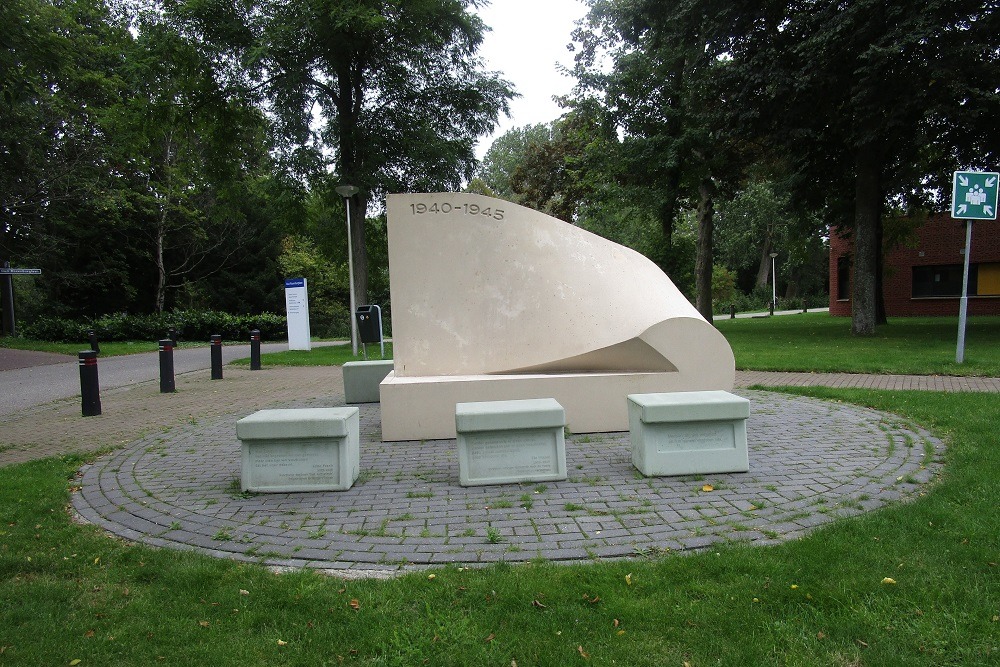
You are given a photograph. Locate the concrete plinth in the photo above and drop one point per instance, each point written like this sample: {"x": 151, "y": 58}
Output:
{"x": 310, "y": 449}
{"x": 507, "y": 442}
{"x": 423, "y": 408}
{"x": 361, "y": 380}
{"x": 686, "y": 433}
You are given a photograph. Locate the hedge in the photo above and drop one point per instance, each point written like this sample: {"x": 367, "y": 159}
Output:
{"x": 191, "y": 325}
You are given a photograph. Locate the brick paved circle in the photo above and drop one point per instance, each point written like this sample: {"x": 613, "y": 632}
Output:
{"x": 811, "y": 461}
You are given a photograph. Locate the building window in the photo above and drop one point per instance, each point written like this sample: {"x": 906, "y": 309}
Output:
{"x": 939, "y": 281}
{"x": 843, "y": 278}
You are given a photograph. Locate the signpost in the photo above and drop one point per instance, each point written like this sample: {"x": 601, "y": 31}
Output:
{"x": 7, "y": 271}
{"x": 973, "y": 197}
{"x": 297, "y": 312}
{"x": 7, "y": 290}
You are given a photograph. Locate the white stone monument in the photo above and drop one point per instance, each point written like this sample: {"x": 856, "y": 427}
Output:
{"x": 493, "y": 301}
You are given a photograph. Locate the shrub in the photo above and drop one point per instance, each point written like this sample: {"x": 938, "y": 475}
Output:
{"x": 190, "y": 325}
{"x": 723, "y": 286}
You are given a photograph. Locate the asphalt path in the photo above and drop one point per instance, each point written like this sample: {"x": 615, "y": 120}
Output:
{"x": 52, "y": 377}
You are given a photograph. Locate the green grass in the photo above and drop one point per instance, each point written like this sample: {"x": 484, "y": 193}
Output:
{"x": 107, "y": 349}
{"x": 328, "y": 355}
{"x": 815, "y": 601}
{"x": 811, "y": 342}
{"x": 821, "y": 343}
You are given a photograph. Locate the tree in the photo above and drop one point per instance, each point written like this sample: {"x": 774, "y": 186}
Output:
{"x": 760, "y": 219}
{"x": 509, "y": 152}
{"x": 59, "y": 79}
{"x": 659, "y": 91}
{"x": 389, "y": 95}
{"x": 127, "y": 169}
{"x": 872, "y": 101}
{"x": 192, "y": 145}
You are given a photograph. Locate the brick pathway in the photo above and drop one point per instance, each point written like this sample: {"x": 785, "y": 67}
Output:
{"x": 892, "y": 382}
{"x": 172, "y": 480}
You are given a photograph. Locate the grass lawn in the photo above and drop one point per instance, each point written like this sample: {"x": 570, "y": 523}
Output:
{"x": 327, "y": 355}
{"x": 820, "y": 343}
{"x": 810, "y": 342}
{"x": 108, "y": 349}
{"x": 804, "y": 342}
{"x": 69, "y": 595}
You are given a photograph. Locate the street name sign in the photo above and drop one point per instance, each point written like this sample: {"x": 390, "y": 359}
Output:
{"x": 974, "y": 195}
{"x": 7, "y": 271}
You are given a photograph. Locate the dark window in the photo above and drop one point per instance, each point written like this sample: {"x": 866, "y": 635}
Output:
{"x": 843, "y": 278}
{"x": 946, "y": 280}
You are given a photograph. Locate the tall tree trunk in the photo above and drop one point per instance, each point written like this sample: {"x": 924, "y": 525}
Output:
{"x": 867, "y": 219}
{"x": 880, "y": 316}
{"x": 359, "y": 207}
{"x": 668, "y": 208}
{"x": 703, "y": 262}
{"x": 161, "y": 267}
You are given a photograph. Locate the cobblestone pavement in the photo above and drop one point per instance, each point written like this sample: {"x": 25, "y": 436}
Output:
{"x": 176, "y": 485}
{"x": 857, "y": 380}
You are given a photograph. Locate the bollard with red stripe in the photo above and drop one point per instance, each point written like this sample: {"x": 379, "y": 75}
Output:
{"x": 90, "y": 389}
{"x": 216, "y": 357}
{"x": 167, "y": 385}
{"x": 255, "y": 350}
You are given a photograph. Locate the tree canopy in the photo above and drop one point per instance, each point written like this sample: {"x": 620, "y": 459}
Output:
{"x": 388, "y": 96}
{"x": 154, "y": 151}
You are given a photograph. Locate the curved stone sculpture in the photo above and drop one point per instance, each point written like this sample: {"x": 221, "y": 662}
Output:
{"x": 495, "y": 301}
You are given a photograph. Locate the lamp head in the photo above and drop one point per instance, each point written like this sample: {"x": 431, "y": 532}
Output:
{"x": 346, "y": 191}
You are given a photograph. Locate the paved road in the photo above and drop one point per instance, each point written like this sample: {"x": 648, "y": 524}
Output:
{"x": 51, "y": 377}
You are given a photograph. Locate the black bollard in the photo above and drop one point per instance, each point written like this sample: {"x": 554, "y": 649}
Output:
{"x": 94, "y": 345}
{"x": 255, "y": 350}
{"x": 732, "y": 311}
{"x": 167, "y": 366}
{"x": 172, "y": 334}
{"x": 90, "y": 388}
{"x": 216, "y": 357}
{"x": 772, "y": 308}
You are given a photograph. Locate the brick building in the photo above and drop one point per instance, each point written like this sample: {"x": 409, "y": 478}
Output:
{"x": 926, "y": 279}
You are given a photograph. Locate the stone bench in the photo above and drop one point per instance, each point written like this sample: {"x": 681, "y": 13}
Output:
{"x": 309, "y": 449}
{"x": 689, "y": 432}
{"x": 362, "y": 378}
{"x": 506, "y": 442}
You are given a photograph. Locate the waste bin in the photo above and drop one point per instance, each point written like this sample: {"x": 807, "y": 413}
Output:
{"x": 369, "y": 319}
{"x": 369, "y": 324}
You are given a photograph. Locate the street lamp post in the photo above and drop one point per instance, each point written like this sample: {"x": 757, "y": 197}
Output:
{"x": 774, "y": 284}
{"x": 348, "y": 191}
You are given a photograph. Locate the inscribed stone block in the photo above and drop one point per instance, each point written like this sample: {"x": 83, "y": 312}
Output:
{"x": 685, "y": 433}
{"x": 309, "y": 449}
{"x": 506, "y": 442}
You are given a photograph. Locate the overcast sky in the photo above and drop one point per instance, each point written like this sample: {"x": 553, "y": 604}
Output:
{"x": 527, "y": 42}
